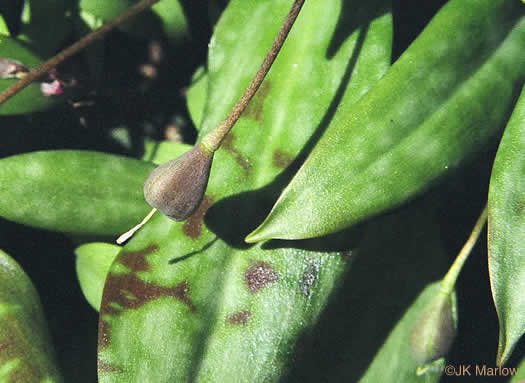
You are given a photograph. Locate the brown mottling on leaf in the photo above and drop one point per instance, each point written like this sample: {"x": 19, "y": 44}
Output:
{"x": 259, "y": 275}
{"x": 241, "y": 317}
{"x": 181, "y": 292}
{"x": 309, "y": 278}
{"x": 14, "y": 347}
{"x": 281, "y": 159}
{"x": 127, "y": 292}
{"x": 193, "y": 225}
{"x": 5, "y": 346}
{"x": 103, "y": 332}
{"x": 229, "y": 146}
{"x": 136, "y": 260}
{"x": 130, "y": 293}
{"x": 25, "y": 372}
{"x": 105, "y": 367}
{"x": 255, "y": 109}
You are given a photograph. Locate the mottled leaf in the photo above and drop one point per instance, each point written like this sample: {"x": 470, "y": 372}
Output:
{"x": 444, "y": 98}
{"x": 507, "y": 231}
{"x": 93, "y": 262}
{"x": 73, "y": 191}
{"x": 30, "y": 99}
{"x": 26, "y": 353}
{"x": 190, "y": 301}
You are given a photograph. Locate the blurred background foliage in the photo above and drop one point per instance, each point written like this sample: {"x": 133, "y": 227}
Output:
{"x": 138, "y": 93}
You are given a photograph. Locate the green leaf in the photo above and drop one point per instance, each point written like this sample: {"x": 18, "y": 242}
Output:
{"x": 446, "y": 96}
{"x": 93, "y": 262}
{"x": 3, "y": 27}
{"x": 166, "y": 16}
{"x": 396, "y": 358}
{"x": 366, "y": 331}
{"x": 160, "y": 152}
{"x": 196, "y": 95}
{"x": 73, "y": 191}
{"x": 26, "y": 353}
{"x": 189, "y": 301}
{"x": 519, "y": 375}
{"x": 30, "y": 99}
{"x": 506, "y": 233}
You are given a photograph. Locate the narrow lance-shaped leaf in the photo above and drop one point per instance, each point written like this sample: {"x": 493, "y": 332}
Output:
{"x": 73, "y": 191}
{"x": 189, "y": 301}
{"x": 446, "y": 96}
{"x": 507, "y": 231}
{"x": 26, "y": 353}
{"x": 30, "y": 99}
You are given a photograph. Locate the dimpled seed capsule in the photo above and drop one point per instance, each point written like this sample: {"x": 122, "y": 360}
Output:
{"x": 177, "y": 187}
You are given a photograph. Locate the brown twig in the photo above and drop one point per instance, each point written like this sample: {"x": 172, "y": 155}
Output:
{"x": 73, "y": 49}
{"x": 212, "y": 141}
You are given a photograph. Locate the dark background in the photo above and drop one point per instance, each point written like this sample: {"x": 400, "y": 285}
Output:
{"x": 48, "y": 257}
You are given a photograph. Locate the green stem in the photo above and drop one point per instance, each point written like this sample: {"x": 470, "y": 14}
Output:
{"x": 448, "y": 282}
{"x": 212, "y": 141}
{"x": 73, "y": 49}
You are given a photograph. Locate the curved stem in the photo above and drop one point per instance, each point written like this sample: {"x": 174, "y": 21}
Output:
{"x": 448, "y": 282}
{"x": 73, "y": 49}
{"x": 212, "y": 141}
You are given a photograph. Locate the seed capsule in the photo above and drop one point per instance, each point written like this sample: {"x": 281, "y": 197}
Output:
{"x": 435, "y": 330}
{"x": 177, "y": 187}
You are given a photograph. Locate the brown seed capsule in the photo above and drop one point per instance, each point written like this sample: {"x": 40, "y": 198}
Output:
{"x": 177, "y": 187}
{"x": 435, "y": 330}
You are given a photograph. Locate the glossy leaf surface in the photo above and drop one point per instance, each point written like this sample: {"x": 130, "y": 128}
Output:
{"x": 26, "y": 353}
{"x": 507, "y": 231}
{"x": 92, "y": 263}
{"x": 446, "y": 97}
{"x": 73, "y": 191}
{"x": 195, "y": 287}
{"x": 30, "y": 99}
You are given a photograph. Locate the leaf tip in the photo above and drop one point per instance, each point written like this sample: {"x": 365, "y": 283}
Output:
{"x": 273, "y": 227}
{"x": 505, "y": 348}
{"x": 262, "y": 233}
{"x": 255, "y": 236}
